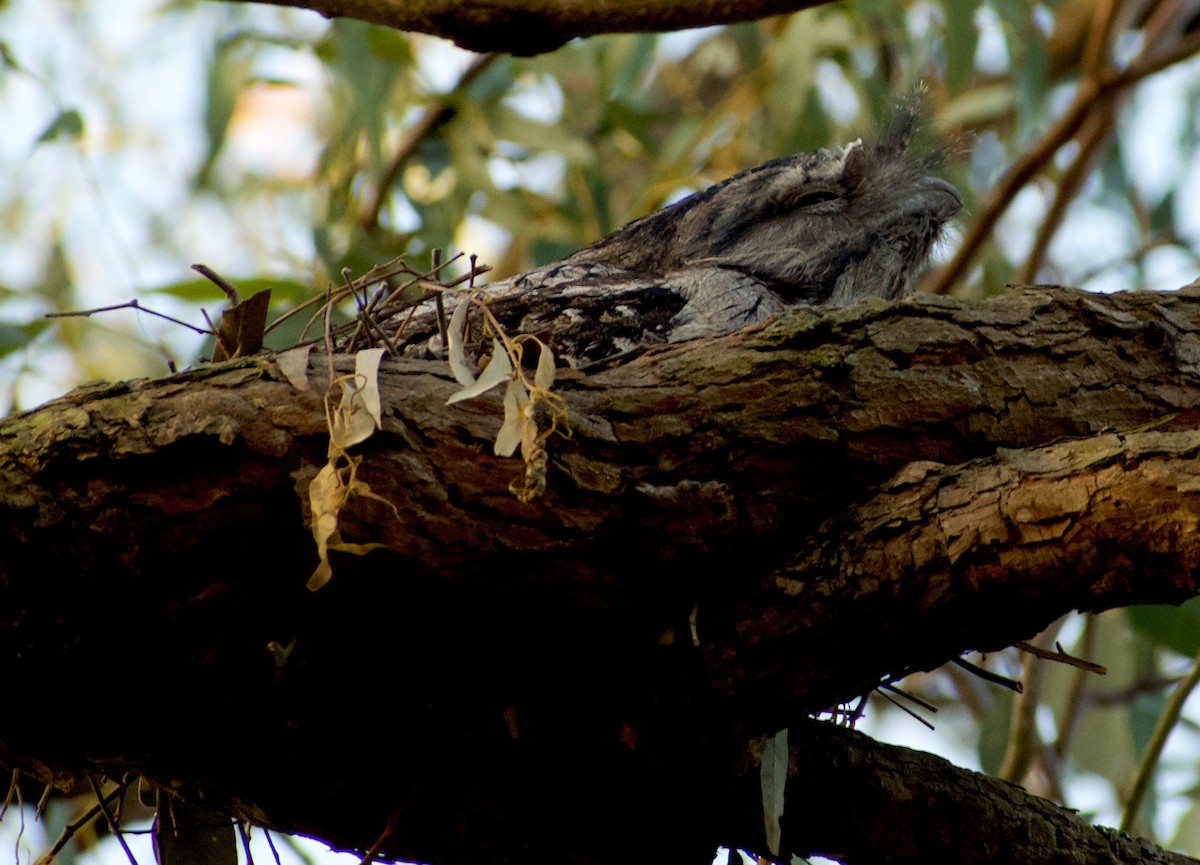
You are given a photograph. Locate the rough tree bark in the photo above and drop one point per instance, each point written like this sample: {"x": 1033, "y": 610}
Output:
{"x": 740, "y": 532}
{"x": 526, "y": 27}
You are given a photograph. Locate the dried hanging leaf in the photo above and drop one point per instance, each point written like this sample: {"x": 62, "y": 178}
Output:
{"x": 499, "y": 369}
{"x": 544, "y": 376}
{"x": 456, "y": 336}
{"x": 515, "y": 400}
{"x": 325, "y": 497}
{"x": 366, "y": 366}
{"x": 188, "y": 833}
{"x": 359, "y": 414}
{"x": 773, "y": 773}
{"x": 293, "y": 363}
{"x": 240, "y": 332}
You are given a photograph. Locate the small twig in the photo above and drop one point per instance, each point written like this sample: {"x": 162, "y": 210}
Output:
{"x": 365, "y": 317}
{"x": 1099, "y": 38}
{"x": 1122, "y": 696}
{"x": 924, "y": 704}
{"x": 1136, "y": 71}
{"x": 245, "y": 836}
{"x": 329, "y": 333}
{"x": 168, "y": 360}
{"x": 454, "y": 283}
{"x": 1027, "y": 166}
{"x": 316, "y": 298}
{"x": 381, "y": 300}
{"x": 271, "y": 844}
{"x": 411, "y": 312}
{"x": 1073, "y": 710}
{"x": 1143, "y": 249}
{"x": 476, "y": 270}
{"x": 68, "y": 831}
{"x": 1051, "y": 773}
{"x": 216, "y": 332}
{"x": 360, "y": 323}
{"x": 1023, "y": 739}
{"x": 374, "y": 314}
{"x": 119, "y": 806}
{"x": 14, "y": 793}
{"x": 439, "y": 301}
{"x": 21, "y": 812}
{"x": 389, "y": 830}
{"x": 907, "y": 710}
{"x": 437, "y": 113}
{"x": 14, "y": 789}
{"x": 428, "y": 276}
{"x": 1061, "y": 657}
{"x": 42, "y": 802}
{"x": 101, "y": 802}
{"x": 988, "y": 675}
{"x": 1092, "y": 137}
{"x": 1087, "y": 95}
{"x": 851, "y": 718}
{"x": 133, "y": 304}
{"x": 331, "y": 297}
{"x": 1158, "y": 739}
{"x": 231, "y": 292}
{"x": 298, "y": 308}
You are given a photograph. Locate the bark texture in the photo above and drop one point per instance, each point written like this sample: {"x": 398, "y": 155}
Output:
{"x": 534, "y": 26}
{"x": 865, "y": 802}
{"x": 739, "y": 532}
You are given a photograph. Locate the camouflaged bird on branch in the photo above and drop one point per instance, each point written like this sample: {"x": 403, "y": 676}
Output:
{"x": 828, "y": 227}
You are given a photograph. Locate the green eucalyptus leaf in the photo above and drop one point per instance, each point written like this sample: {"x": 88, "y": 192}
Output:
{"x": 628, "y": 75}
{"x": 14, "y": 337}
{"x": 494, "y": 82}
{"x": 389, "y": 45}
{"x": 962, "y": 38}
{"x": 993, "y": 730}
{"x": 66, "y": 124}
{"x": 1174, "y": 628}
{"x": 7, "y": 58}
{"x": 1162, "y": 214}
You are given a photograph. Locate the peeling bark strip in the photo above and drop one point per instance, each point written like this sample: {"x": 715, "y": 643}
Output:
{"x": 870, "y": 490}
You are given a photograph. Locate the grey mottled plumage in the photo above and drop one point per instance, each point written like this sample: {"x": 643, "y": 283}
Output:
{"x": 822, "y": 228}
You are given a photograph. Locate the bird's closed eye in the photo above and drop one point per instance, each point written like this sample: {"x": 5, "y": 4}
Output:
{"x": 819, "y": 196}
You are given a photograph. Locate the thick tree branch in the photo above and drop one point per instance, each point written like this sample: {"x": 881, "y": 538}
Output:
{"x": 527, "y": 27}
{"x": 864, "y": 802}
{"x": 760, "y": 488}
{"x": 975, "y": 556}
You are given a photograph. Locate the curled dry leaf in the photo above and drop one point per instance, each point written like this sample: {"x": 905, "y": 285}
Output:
{"x": 499, "y": 369}
{"x": 544, "y": 376}
{"x": 359, "y": 413}
{"x": 520, "y": 429}
{"x": 327, "y": 493}
{"x": 325, "y": 497}
{"x": 293, "y": 363}
{"x": 773, "y": 776}
{"x": 366, "y": 367}
{"x": 357, "y": 416}
{"x": 516, "y": 418}
{"x": 456, "y": 336}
